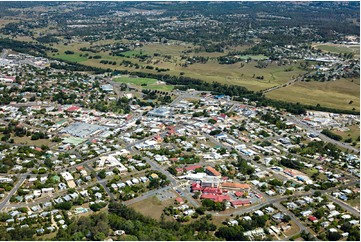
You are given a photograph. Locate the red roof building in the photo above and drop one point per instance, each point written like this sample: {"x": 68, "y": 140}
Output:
{"x": 73, "y": 109}
{"x": 215, "y": 197}
{"x": 179, "y": 200}
{"x": 239, "y": 194}
{"x": 238, "y": 203}
{"x": 196, "y": 187}
{"x": 312, "y": 219}
{"x": 212, "y": 190}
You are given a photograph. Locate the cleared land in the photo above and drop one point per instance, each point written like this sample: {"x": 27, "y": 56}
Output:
{"x": 334, "y": 94}
{"x": 152, "y": 207}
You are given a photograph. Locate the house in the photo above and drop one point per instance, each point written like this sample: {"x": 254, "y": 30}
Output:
{"x": 291, "y": 205}
{"x": 306, "y": 213}
{"x": 312, "y": 219}
{"x": 259, "y": 213}
{"x": 269, "y": 210}
{"x": 278, "y": 216}
{"x": 179, "y": 200}
{"x": 98, "y": 195}
{"x": 233, "y": 222}
{"x": 325, "y": 224}
{"x": 333, "y": 214}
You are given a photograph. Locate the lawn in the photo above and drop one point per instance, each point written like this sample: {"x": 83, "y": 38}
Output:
{"x": 333, "y": 94}
{"x": 152, "y": 207}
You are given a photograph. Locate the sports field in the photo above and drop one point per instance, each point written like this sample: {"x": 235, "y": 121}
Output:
{"x": 338, "y": 48}
{"x": 145, "y": 83}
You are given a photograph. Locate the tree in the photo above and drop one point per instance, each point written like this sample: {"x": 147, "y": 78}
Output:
{"x": 334, "y": 236}
{"x": 102, "y": 174}
{"x": 286, "y": 218}
{"x": 317, "y": 194}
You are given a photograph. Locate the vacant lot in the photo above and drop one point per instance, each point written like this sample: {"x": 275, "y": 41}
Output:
{"x": 353, "y": 133}
{"x": 334, "y": 94}
{"x": 152, "y": 207}
{"x": 27, "y": 141}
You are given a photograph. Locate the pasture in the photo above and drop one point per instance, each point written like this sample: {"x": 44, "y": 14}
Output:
{"x": 333, "y": 94}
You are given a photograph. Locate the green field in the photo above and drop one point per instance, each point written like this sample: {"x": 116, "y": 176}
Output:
{"x": 150, "y": 83}
{"x": 135, "y": 81}
{"x": 74, "y": 58}
{"x": 333, "y": 94}
{"x": 253, "y": 57}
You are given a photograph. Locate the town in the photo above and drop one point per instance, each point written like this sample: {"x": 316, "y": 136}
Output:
{"x": 180, "y": 121}
{"x": 196, "y": 153}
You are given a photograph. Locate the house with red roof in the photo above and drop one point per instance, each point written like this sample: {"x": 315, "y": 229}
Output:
{"x": 312, "y": 219}
{"x": 179, "y": 200}
{"x": 73, "y": 109}
{"x": 192, "y": 168}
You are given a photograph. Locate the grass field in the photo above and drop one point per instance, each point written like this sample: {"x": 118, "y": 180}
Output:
{"x": 136, "y": 81}
{"x": 334, "y": 94}
{"x": 353, "y": 133}
{"x": 354, "y": 202}
{"x": 151, "y": 83}
{"x": 253, "y": 57}
{"x": 152, "y": 207}
{"x": 338, "y": 48}
{"x": 26, "y": 140}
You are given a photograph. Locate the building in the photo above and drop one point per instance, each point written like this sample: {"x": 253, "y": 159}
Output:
{"x": 241, "y": 203}
{"x": 212, "y": 172}
{"x": 235, "y": 185}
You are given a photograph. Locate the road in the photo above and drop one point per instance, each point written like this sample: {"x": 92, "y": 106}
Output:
{"x": 13, "y": 191}
{"x": 102, "y": 182}
{"x": 345, "y": 206}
